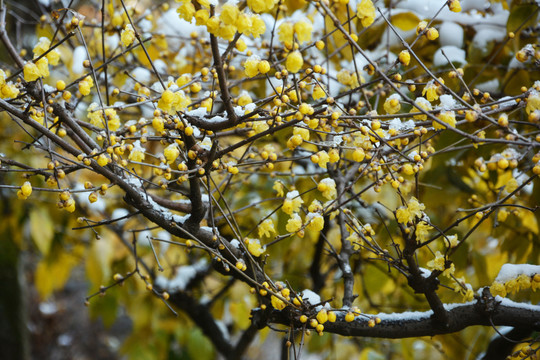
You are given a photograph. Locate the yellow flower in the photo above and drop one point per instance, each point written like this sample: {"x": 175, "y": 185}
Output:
{"x": 171, "y": 152}
{"x": 264, "y": 67}
{"x": 366, "y": 12}
{"x": 43, "y": 66}
{"x": 392, "y": 105}
{"x": 85, "y": 85}
{"x": 512, "y": 286}
{"x": 432, "y": 34}
{"x": 316, "y": 221}
{"x": 315, "y": 206}
{"x": 277, "y": 303}
{"x": 229, "y": 13}
{"x": 259, "y": 6}
{"x": 128, "y": 35}
{"x": 201, "y": 17}
{"x": 251, "y": 66}
{"x": 430, "y": 91}
{"x": 318, "y": 92}
{"x": 448, "y": 117}
{"x": 254, "y": 247}
{"x": 497, "y": 289}
{"x": 406, "y": 214}
{"x": 186, "y": 11}
{"x": 454, "y": 6}
{"x": 258, "y": 27}
{"x": 328, "y": 188}
{"x": 26, "y": 189}
{"x": 243, "y": 23}
{"x": 533, "y": 102}
{"x": 31, "y": 72}
{"x": 303, "y": 30}
{"x": 437, "y": 263}
{"x": 292, "y": 203}
{"x": 8, "y": 91}
{"x": 422, "y": 231}
{"x": 452, "y": 240}
{"x": 137, "y": 153}
{"x": 415, "y": 208}
{"x": 95, "y": 116}
{"x": 524, "y": 281}
{"x": 226, "y": 31}
{"x": 278, "y": 186}
{"x": 294, "y": 62}
{"x": 212, "y": 25}
{"x": 402, "y": 215}
{"x": 294, "y": 224}
{"x": 158, "y": 124}
{"x": 303, "y": 132}
{"x": 266, "y": 228}
{"x": 286, "y": 32}
{"x": 404, "y": 57}
{"x": 424, "y": 105}
{"x": 324, "y": 158}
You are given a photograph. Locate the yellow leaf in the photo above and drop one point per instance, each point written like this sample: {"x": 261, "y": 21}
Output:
{"x": 52, "y": 274}
{"x": 405, "y": 21}
{"x": 529, "y": 221}
{"x": 41, "y": 229}
{"x": 98, "y": 261}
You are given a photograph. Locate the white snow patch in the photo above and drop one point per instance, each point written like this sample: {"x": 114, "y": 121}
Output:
{"x": 453, "y": 53}
{"x": 184, "y": 275}
{"x": 451, "y": 34}
{"x": 512, "y": 271}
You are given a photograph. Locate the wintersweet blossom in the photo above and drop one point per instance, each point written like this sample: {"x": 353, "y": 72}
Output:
{"x": 408, "y": 213}
{"x": 497, "y": 288}
{"x": 303, "y": 30}
{"x": 266, "y": 228}
{"x": 392, "y": 105}
{"x": 430, "y": 91}
{"x": 437, "y": 263}
{"x": 366, "y": 12}
{"x": 292, "y": 202}
{"x": 294, "y": 223}
{"x": 294, "y": 61}
{"x": 127, "y": 36}
{"x": 422, "y": 231}
{"x": 286, "y": 32}
{"x": 316, "y": 221}
{"x": 424, "y": 105}
{"x": 137, "y": 153}
{"x": 254, "y": 247}
{"x": 328, "y": 188}
{"x": 447, "y": 117}
{"x": 171, "y": 153}
{"x": 404, "y": 57}
{"x": 85, "y": 85}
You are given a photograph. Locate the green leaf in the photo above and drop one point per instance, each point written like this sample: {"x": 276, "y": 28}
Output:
{"x": 522, "y": 14}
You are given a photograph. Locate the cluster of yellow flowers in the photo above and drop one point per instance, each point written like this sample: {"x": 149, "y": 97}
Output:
{"x": 522, "y": 282}
{"x": 39, "y": 67}
{"x": 25, "y": 191}
{"x": 8, "y": 90}
{"x": 172, "y": 102}
{"x": 366, "y": 12}
{"x": 302, "y": 29}
{"x": 414, "y": 209}
{"x": 254, "y": 65}
{"x": 230, "y": 20}
{"x": 128, "y": 35}
{"x": 85, "y": 85}
{"x": 447, "y": 117}
{"x": 254, "y": 246}
{"x": 96, "y": 118}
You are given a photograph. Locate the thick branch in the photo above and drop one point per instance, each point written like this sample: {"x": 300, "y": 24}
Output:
{"x": 415, "y": 324}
